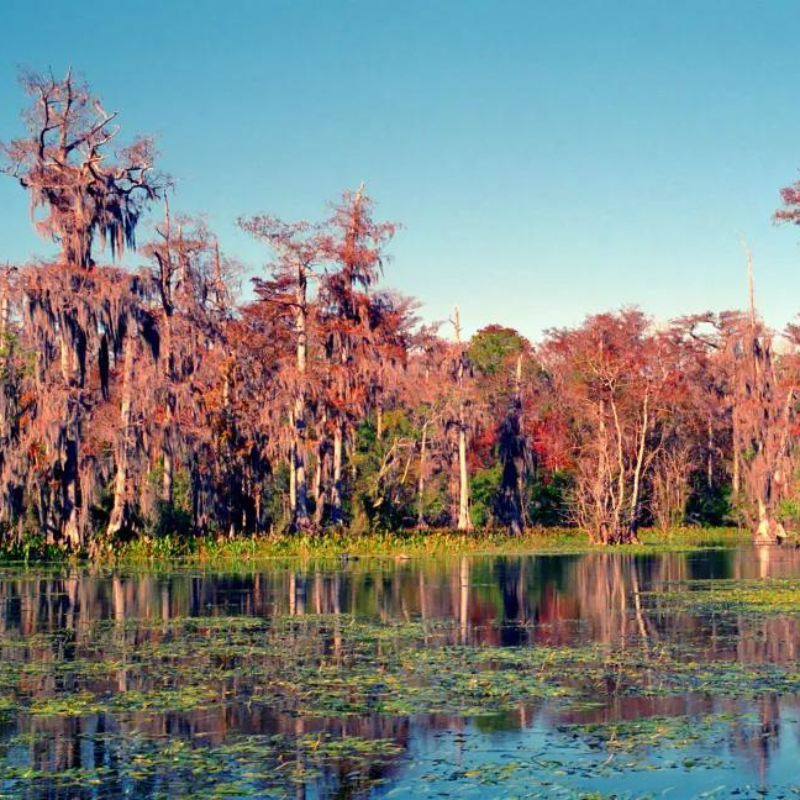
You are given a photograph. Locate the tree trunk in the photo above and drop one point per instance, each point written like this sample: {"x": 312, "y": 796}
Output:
{"x": 464, "y": 521}
{"x": 292, "y": 482}
{"x": 511, "y": 454}
{"x": 300, "y": 517}
{"x": 770, "y": 530}
{"x": 421, "y": 482}
{"x": 230, "y": 427}
{"x": 72, "y": 521}
{"x": 633, "y": 522}
{"x": 5, "y": 433}
{"x": 616, "y": 533}
{"x": 319, "y": 484}
{"x": 736, "y": 479}
{"x": 3, "y": 314}
{"x": 336, "y": 493}
{"x": 167, "y": 479}
{"x": 73, "y": 524}
{"x": 597, "y": 523}
{"x": 120, "y": 509}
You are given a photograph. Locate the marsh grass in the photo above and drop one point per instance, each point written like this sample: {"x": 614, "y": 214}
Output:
{"x": 174, "y": 549}
{"x": 411, "y": 544}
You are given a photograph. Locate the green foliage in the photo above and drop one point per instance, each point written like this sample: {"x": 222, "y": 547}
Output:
{"x": 173, "y": 519}
{"x": 548, "y": 498}
{"x": 436, "y": 501}
{"x": 27, "y": 542}
{"x": 789, "y": 514}
{"x": 7, "y": 344}
{"x": 489, "y": 349}
{"x": 382, "y": 500}
{"x": 484, "y": 486}
{"x": 711, "y": 506}
{"x": 277, "y": 506}
{"x": 789, "y": 508}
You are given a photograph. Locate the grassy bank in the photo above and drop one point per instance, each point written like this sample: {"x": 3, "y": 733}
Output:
{"x": 411, "y": 544}
{"x": 398, "y": 545}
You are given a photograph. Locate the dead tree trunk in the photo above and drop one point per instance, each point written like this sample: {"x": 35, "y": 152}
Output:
{"x": 464, "y": 520}
{"x": 119, "y": 512}
{"x": 300, "y": 518}
{"x": 765, "y": 426}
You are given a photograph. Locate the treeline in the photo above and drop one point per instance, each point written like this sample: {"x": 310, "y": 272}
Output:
{"x": 150, "y": 399}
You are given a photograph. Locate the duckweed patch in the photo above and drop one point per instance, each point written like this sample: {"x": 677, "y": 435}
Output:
{"x": 553, "y": 677}
{"x": 676, "y": 732}
{"x": 335, "y": 666}
{"x": 244, "y": 766}
{"x": 758, "y": 597}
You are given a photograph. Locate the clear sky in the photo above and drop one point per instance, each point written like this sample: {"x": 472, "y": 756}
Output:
{"x": 547, "y": 160}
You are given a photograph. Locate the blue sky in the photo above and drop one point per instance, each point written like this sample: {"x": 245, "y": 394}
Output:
{"x": 547, "y": 160}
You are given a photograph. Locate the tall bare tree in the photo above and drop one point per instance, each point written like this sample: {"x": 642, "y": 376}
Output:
{"x": 65, "y": 162}
{"x": 298, "y": 252}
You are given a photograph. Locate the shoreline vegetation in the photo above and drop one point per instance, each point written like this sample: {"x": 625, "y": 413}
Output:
{"x": 151, "y": 410}
{"x": 418, "y": 544}
{"x": 399, "y": 546}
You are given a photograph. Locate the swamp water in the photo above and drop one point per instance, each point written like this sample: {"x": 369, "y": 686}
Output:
{"x": 620, "y": 675}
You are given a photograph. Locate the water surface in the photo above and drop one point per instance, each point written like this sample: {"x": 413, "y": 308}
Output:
{"x": 538, "y": 676}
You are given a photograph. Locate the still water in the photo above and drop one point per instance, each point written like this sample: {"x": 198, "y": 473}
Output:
{"x": 594, "y": 675}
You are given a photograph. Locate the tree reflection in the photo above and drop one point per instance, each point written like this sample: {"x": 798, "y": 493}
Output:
{"x": 566, "y": 601}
